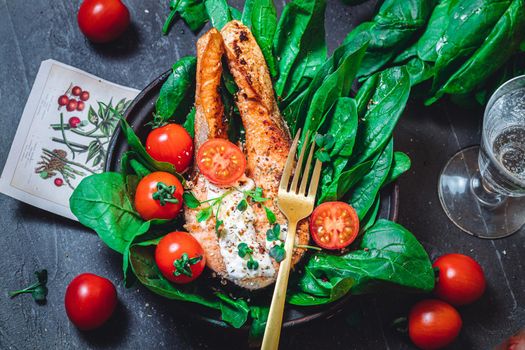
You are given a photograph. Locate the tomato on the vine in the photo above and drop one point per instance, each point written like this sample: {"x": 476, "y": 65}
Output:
{"x": 90, "y": 301}
{"x": 334, "y": 225}
{"x": 102, "y": 21}
{"x": 171, "y": 143}
{"x": 433, "y": 324}
{"x": 159, "y": 196}
{"x": 221, "y": 162}
{"x": 461, "y": 280}
{"x": 180, "y": 257}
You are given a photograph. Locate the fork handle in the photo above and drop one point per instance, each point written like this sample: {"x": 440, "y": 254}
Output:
{"x": 272, "y": 331}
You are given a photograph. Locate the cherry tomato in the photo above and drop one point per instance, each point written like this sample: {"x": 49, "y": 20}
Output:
{"x": 74, "y": 122}
{"x": 84, "y": 96}
{"x": 58, "y": 182}
{"x": 461, "y": 280}
{"x": 180, "y": 257}
{"x": 334, "y": 225}
{"x": 90, "y": 301}
{"x": 171, "y": 143}
{"x": 76, "y": 91}
{"x": 80, "y": 106}
{"x": 71, "y": 105}
{"x": 433, "y": 324}
{"x": 221, "y": 161}
{"x": 102, "y": 21}
{"x": 159, "y": 196}
{"x": 63, "y": 100}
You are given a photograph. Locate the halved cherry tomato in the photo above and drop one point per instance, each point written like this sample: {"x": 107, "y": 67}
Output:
{"x": 334, "y": 225}
{"x": 180, "y": 257}
{"x": 221, "y": 161}
{"x": 433, "y": 324}
{"x": 171, "y": 143}
{"x": 159, "y": 196}
{"x": 461, "y": 280}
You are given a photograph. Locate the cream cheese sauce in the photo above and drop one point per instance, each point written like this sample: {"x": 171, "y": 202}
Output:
{"x": 238, "y": 227}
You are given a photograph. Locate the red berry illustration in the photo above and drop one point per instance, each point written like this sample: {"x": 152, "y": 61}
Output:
{"x": 80, "y": 106}
{"x": 72, "y": 105}
{"x": 76, "y": 90}
{"x": 74, "y": 122}
{"x": 84, "y": 96}
{"x": 63, "y": 100}
{"x": 58, "y": 182}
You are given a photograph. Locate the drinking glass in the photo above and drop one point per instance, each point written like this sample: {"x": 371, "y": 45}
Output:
{"x": 482, "y": 188}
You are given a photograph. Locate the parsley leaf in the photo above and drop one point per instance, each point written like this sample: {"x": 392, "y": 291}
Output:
{"x": 270, "y": 215}
{"x": 252, "y": 264}
{"x": 190, "y": 200}
{"x": 204, "y": 214}
{"x": 274, "y": 234}
{"x": 243, "y": 205}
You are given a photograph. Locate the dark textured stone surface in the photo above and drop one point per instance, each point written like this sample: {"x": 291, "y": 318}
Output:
{"x": 32, "y": 239}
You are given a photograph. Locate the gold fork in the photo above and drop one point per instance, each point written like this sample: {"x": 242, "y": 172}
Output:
{"x": 296, "y": 203}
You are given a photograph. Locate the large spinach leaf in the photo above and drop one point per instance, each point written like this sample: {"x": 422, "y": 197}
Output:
{"x": 261, "y": 17}
{"x": 400, "y": 165}
{"x": 343, "y": 126}
{"x": 299, "y": 45}
{"x": 343, "y": 181}
{"x": 335, "y": 85}
{"x": 469, "y": 23}
{"x": 191, "y": 11}
{"x": 391, "y": 31}
{"x": 234, "y": 312}
{"x": 177, "y": 87}
{"x": 502, "y": 42}
{"x": 391, "y": 89}
{"x": 389, "y": 255}
{"x": 101, "y": 203}
{"x": 218, "y": 12}
{"x": 363, "y": 194}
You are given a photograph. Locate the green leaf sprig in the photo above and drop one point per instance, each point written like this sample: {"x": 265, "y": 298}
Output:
{"x": 38, "y": 290}
{"x": 245, "y": 251}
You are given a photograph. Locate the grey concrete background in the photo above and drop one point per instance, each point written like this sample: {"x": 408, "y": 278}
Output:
{"x": 32, "y": 31}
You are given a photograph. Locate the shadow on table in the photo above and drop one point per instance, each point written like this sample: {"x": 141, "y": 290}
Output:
{"x": 111, "y": 334}
{"x": 125, "y": 45}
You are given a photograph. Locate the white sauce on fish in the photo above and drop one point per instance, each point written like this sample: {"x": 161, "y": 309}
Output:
{"x": 238, "y": 227}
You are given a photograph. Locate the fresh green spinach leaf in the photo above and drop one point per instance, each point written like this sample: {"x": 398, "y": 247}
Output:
{"x": 400, "y": 165}
{"x": 234, "y": 312}
{"x": 177, "y": 87}
{"x": 218, "y": 12}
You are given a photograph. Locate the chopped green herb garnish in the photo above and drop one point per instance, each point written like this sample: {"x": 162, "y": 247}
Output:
{"x": 204, "y": 214}
{"x": 252, "y": 264}
{"x": 274, "y": 234}
{"x": 270, "y": 215}
{"x": 278, "y": 253}
{"x": 244, "y": 250}
{"x": 243, "y": 205}
{"x": 190, "y": 200}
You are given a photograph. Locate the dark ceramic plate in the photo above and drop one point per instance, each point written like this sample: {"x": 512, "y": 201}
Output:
{"x": 138, "y": 114}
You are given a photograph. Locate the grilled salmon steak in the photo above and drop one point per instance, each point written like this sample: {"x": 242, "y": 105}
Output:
{"x": 266, "y": 149}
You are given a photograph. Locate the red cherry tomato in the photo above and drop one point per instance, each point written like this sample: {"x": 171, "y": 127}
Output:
{"x": 90, "y": 301}
{"x": 461, "y": 280}
{"x": 221, "y": 161}
{"x": 171, "y": 143}
{"x": 433, "y": 324}
{"x": 71, "y": 105}
{"x": 334, "y": 225}
{"x": 80, "y": 106}
{"x": 102, "y": 21}
{"x": 76, "y": 91}
{"x": 84, "y": 96}
{"x": 159, "y": 196}
{"x": 180, "y": 257}
{"x": 63, "y": 100}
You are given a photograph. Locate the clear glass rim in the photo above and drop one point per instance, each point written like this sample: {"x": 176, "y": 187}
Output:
{"x": 508, "y": 86}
